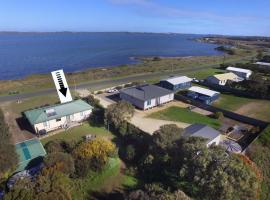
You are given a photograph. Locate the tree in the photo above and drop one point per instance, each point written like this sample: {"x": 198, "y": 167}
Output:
{"x": 166, "y": 137}
{"x": 130, "y": 153}
{"x": 97, "y": 116}
{"x": 117, "y": 113}
{"x": 60, "y": 161}
{"x": 92, "y": 101}
{"x": 156, "y": 58}
{"x": 97, "y": 151}
{"x": 212, "y": 174}
{"x": 49, "y": 184}
{"x": 155, "y": 191}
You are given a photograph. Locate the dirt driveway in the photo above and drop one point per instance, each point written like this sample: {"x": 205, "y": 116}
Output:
{"x": 18, "y": 127}
{"x": 150, "y": 125}
{"x": 140, "y": 118}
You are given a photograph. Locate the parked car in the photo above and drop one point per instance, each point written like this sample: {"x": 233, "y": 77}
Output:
{"x": 112, "y": 90}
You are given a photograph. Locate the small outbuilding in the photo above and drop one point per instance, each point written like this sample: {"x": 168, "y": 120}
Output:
{"x": 266, "y": 64}
{"x": 146, "y": 96}
{"x": 222, "y": 79}
{"x": 176, "y": 83}
{"x": 30, "y": 152}
{"x": 202, "y": 94}
{"x": 200, "y": 130}
{"x": 243, "y": 73}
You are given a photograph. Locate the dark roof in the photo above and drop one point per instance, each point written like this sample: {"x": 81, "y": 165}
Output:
{"x": 201, "y": 130}
{"x": 146, "y": 92}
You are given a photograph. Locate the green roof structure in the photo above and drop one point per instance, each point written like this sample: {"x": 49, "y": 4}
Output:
{"x": 28, "y": 151}
{"x": 56, "y": 111}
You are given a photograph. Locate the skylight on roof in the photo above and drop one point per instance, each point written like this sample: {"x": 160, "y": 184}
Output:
{"x": 50, "y": 112}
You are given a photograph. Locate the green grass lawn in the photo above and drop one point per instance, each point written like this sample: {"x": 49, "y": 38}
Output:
{"x": 231, "y": 102}
{"x": 33, "y": 102}
{"x": 205, "y": 73}
{"x": 255, "y": 108}
{"x": 77, "y": 133}
{"x": 95, "y": 181}
{"x": 184, "y": 115}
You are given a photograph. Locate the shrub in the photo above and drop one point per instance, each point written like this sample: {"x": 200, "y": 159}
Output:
{"x": 97, "y": 151}
{"x": 60, "y": 161}
{"x": 219, "y": 115}
{"x": 82, "y": 167}
{"x": 54, "y": 146}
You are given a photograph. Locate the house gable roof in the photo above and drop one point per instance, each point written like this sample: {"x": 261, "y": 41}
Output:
{"x": 203, "y": 91}
{"x": 235, "y": 69}
{"x": 226, "y": 76}
{"x": 178, "y": 80}
{"x": 146, "y": 92}
{"x": 47, "y": 113}
{"x": 201, "y": 130}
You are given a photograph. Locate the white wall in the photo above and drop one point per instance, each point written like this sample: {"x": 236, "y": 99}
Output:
{"x": 143, "y": 104}
{"x": 53, "y": 124}
{"x": 216, "y": 141}
{"x": 159, "y": 101}
{"x": 242, "y": 74}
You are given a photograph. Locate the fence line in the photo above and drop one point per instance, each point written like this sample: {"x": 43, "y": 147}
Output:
{"x": 241, "y": 118}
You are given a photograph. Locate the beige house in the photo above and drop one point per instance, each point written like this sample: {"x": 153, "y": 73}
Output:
{"x": 222, "y": 79}
{"x": 58, "y": 116}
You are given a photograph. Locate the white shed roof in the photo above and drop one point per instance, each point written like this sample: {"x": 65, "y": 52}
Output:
{"x": 203, "y": 91}
{"x": 178, "y": 80}
{"x": 263, "y": 63}
{"x": 235, "y": 69}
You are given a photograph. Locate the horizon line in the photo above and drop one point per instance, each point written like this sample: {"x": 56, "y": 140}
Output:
{"x": 131, "y": 32}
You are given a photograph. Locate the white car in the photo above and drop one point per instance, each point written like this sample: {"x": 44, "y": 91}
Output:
{"x": 112, "y": 90}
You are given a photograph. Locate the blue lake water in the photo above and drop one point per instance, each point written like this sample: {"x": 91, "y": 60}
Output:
{"x": 24, "y": 54}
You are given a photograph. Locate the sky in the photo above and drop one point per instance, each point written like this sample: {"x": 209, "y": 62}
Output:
{"x": 226, "y": 17}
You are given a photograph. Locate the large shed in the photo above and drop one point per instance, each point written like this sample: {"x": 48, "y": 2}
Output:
{"x": 176, "y": 83}
{"x": 202, "y": 94}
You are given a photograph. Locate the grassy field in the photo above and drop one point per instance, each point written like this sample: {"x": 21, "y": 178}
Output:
{"x": 202, "y": 74}
{"x": 108, "y": 180}
{"x": 40, "y": 82}
{"x": 255, "y": 108}
{"x": 184, "y": 115}
{"x": 77, "y": 133}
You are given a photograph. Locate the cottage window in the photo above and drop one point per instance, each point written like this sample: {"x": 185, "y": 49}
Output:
{"x": 45, "y": 124}
{"x": 58, "y": 120}
{"x": 148, "y": 102}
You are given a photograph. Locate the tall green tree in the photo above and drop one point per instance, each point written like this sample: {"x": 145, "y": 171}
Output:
{"x": 117, "y": 113}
